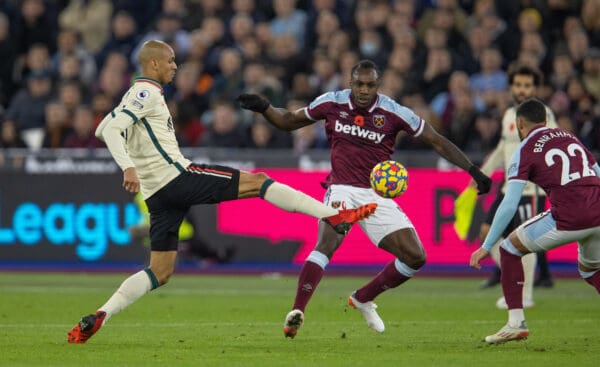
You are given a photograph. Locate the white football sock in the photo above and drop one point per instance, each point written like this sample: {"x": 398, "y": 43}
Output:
{"x": 515, "y": 317}
{"x": 286, "y": 198}
{"x": 130, "y": 291}
{"x": 529, "y": 261}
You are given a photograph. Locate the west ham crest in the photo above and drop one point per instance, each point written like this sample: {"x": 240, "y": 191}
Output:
{"x": 379, "y": 121}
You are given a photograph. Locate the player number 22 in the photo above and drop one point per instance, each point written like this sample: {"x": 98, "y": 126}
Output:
{"x": 573, "y": 150}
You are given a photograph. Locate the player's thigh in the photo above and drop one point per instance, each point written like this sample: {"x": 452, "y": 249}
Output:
{"x": 540, "y": 234}
{"x": 388, "y": 219}
{"x": 589, "y": 249}
{"x": 206, "y": 184}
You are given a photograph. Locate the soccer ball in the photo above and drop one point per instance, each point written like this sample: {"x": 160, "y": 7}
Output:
{"x": 389, "y": 179}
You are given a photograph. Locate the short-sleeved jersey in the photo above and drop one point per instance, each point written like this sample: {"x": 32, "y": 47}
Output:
{"x": 509, "y": 142}
{"x": 556, "y": 160}
{"x": 151, "y": 143}
{"x": 359, "y": 139}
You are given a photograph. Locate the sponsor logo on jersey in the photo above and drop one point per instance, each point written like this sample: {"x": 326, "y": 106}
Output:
{"x": 357, "y": 130}
{"x": 137, "y": 104}
{"x": 143, "y": 94}
{"x": 379, "y": 121}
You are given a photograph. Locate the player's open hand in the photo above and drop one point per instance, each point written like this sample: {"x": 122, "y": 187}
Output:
{"x": 477, "y": 256}
{"x": 253, "y": 102}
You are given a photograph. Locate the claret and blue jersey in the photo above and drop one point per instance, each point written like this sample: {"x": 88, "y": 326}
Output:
{"x": 361, "y": 138}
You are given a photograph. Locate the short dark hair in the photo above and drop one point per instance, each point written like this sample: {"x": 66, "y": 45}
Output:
{"x": 532, "y": 110}
{"x": 365, "y": 64}
{"x": 515, "y": 70}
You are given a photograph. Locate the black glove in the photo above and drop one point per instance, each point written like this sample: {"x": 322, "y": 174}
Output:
{"x": 253, "y": 102}
{"x": 483, "y": 182}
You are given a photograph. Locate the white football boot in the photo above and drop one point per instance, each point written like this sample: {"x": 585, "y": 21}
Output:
{"x": 367, "y": 309}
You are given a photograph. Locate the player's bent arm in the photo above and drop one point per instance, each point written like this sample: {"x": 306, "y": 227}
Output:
{"x": 286, "y": 120}
{"x": 111, "y": 133}
{"x": 506, "y": 211}
{"x": 445, "y": 147}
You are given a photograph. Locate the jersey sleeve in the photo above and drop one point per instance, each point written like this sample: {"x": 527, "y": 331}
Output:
{"x": 317, "y": 109}
{"x": 517, "y": 168}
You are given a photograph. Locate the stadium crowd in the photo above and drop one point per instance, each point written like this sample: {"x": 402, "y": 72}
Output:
{"x": 64, "y": 64}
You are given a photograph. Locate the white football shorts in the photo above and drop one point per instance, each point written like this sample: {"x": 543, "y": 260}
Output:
{"x": 540, "y": 234}
{"x": 388, "y": 216}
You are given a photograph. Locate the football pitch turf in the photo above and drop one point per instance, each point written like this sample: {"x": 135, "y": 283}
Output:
{"x": 202, "y": 320}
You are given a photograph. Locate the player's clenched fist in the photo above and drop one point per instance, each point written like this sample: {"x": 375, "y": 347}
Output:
{"x": 253, "y": 102}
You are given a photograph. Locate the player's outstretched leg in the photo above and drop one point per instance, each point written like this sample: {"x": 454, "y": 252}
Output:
{"x": 368, "y": 310}
{"x": 508, "y": 333}
{"x": 293, "y": 321}
{"x": 86, "y": 327}
{"x": 343, "y": 220}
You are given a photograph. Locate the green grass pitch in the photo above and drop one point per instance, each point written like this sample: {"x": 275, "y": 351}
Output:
{"x": 201, "y": 320}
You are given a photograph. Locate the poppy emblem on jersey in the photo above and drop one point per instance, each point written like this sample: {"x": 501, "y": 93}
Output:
{"x": 143, "y": 94}
{"x": 379, "y": 121}
{"x": 336, "y": 204}
{"x": 359, "y": 120}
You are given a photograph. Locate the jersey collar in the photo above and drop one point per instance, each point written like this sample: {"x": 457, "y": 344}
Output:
{"x": 370, "y": 109}
{"x": 149, "y": 81}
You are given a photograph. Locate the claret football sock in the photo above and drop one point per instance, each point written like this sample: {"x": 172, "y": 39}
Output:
{"x": 388, "y": 278}
{"x": 593, "y": 280}
{"x": 308, "y": 280}
{"x": 512, "y": 279}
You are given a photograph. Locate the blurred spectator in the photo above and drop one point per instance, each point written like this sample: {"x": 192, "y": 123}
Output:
{"x": 71, "y": 96}
{"x": 34, "y": 25}
{"x": 241, "y": 27}
{"x": 224, "y": 128}
{"x": 437, "y": 72}
{"x": 264, "y": 136}
{"x": 327, "y": 23}
{"x": 101, "y": 106}
{"x": 91, "y": 19}
{"x": 486, "y": 133}
{"x": 56, "y": 125}
{"x": 189, "y": 104}
{"x": 123, "y": 38}
{"x": 443, "y": 104}
{"x": 9, "y": 137}
{"x": 258, "y": 80}
{"x": 83, "y": 135}
{"x": 370, "y": 46}
{"x": 27, "y": 109}
{"x": 37, "y": 58}
{"x": 590, "y": 16}
{"x": 562, "y": 70}
{"x": 324, "y": 77}
{"x": 289, "y": 20}
{"x": 7, "y": 60}
{"x": 591, "y": 72}
{"x": 69, "y": 46}
{"x": 578, "y": 47}
{"x": 491, "y": 80}
{"x": 144, "y": 12}
{"x": 229, "y": 82}
{"x": 167, "y": 28}
{"x": 285, "y": 59}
